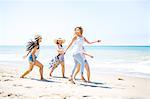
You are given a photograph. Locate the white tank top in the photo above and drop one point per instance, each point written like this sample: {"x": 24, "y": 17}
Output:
{"x": 78, "y": 45}
{"x": 60, "y": 48}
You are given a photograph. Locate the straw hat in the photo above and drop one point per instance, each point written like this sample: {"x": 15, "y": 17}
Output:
{"x": 59, "y": 39}
{"x": 36, "y": 37}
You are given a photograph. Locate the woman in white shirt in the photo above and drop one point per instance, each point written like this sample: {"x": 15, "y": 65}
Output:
{"x": 78, "y": 41}
{"x": 59, "y": 59}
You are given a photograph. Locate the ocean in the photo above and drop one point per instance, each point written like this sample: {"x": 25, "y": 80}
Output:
{"x": 128, "y": 60}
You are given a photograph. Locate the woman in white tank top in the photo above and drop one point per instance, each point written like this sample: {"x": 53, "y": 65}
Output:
{"x": 78, "y": 45}
{"x": 78, "y": 41}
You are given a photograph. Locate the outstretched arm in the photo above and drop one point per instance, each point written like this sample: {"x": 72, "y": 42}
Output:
{"x": 26, "y": 55}
{"x": 70, "y": 43}
{"x": 91, "y": 42}
{"x": 88, "y": 55}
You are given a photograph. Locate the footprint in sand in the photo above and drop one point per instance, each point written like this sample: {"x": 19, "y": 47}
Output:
{"x": 8, "y": 80}
{"x": 53, "y": 96}
{"x": 11, "y": 76}
{"x": 16, "y": 85}
{"x": 28, "y": 87}
{"x": 4, "y": 76}
{"x": 1, "y": 92}
{"x": 85, "y": 96}
{"x": 43, "y": 96}
{"x": 10, "y": 95}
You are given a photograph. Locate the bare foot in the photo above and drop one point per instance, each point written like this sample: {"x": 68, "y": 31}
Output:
{"x": 89, "y": 81}
{"x": 120, "y": 79}
{"x": 82, "y": 78}
{"x": 41, "y": 78}
{"x": 74, "y": 78}
{"x": 21, "y": 77}
{"x": 71, "y": 80}
{"x": 50, "y": 75}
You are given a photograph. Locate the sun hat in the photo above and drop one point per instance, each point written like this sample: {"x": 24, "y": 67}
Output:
{"x": 59, "y": 39}
{"x": 37, "y": 37}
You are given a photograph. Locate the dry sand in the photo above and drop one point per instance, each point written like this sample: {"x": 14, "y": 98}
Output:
{"x": 101, "y": 87}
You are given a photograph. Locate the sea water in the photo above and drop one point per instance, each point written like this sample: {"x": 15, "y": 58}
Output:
{"x": 127, "y": 60}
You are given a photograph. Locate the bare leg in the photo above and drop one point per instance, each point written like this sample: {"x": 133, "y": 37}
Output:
{"x": 37, "y": 63}
{"x": 88, "y": 71}
{"x": 63, "y": 68}
{"x": 77, "y": 71}
{"x": 71, "y": 77}
{"x": 79, "y": 59}
{"x": 82, "y": 78}
{"x": 51, "y": 71}
{"x": 31, "y": 64}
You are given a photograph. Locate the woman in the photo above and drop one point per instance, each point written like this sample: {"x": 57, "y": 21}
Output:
{"x": 78, "y": 41}
{"x": 33, "y": 49}
{"x": 59, "y": 59}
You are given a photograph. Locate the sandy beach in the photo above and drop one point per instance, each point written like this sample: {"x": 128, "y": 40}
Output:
{"x": 101, "y": 87}
{"x": 113, "y": 35}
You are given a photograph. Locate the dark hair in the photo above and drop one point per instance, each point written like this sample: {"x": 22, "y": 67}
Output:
{"x": 79, "y": 27}
{"x": 31, "y": 44}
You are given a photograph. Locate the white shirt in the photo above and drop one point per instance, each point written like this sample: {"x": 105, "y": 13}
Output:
{"x": 60, "y": 48}
{"x": 78, "y": 45}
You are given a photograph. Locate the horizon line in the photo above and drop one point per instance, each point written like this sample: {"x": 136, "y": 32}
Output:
{"x": 89, "y": 45}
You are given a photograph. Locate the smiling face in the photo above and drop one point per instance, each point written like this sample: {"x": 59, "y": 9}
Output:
{"x": 59, "y": 42}
{"x": 40, "y": 40}
{"x": 78, "y": 31}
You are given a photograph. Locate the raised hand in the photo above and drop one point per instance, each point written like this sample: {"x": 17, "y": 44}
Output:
{"x": 24, "y": 56}
{"x": 92, "y": 56}
{"x": 98, "y": 40}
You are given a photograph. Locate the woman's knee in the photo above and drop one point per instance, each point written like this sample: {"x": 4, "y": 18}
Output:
{"x": 30, "y": 69}
{"x": 37, "y": 63}
{"x": 41, "y": 67}
{"x": 62, "y": 64}
{"x": 87, "y": 66}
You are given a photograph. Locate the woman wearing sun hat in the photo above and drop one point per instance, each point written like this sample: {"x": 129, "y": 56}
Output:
{"x": 59, "y": 58}
{"x": 33, "y": 48}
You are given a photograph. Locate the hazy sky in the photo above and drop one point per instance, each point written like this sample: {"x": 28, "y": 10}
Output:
{"x": 115, "y": 22}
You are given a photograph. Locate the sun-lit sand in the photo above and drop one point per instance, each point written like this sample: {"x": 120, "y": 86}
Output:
{"x": 101, "y": 87}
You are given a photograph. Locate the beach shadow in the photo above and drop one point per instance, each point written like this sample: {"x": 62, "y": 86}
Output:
{"x": 60, "y": 77}
{"x": 95, "y": 86}
{"x": 100, "y": 85}
{"x": 44, "y": 80}
{"x": 96, "y": 83}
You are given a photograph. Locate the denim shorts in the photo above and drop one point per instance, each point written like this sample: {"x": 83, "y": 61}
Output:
{"x": 31, "y": 58}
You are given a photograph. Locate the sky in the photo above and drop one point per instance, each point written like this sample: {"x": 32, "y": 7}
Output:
{"x": 115, "y": 22}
